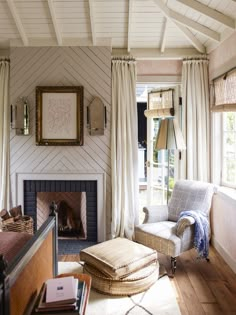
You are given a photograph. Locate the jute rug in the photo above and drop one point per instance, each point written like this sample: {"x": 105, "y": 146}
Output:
{"x": 157, "y": 300}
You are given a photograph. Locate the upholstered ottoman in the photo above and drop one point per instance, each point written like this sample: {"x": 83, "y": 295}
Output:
{"x": 120, "y": 266}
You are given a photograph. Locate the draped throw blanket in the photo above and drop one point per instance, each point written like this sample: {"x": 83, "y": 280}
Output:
{"x": 201, "y": 232}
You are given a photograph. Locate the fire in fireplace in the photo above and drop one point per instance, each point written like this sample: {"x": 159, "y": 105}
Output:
{"x": 68, "y": 223}
{"x": 71, "y": 209}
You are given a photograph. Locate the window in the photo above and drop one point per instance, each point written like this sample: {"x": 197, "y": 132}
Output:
{"x": 153, "y": 165}
{"x": 224, "y": 129}
{"x": 228, "y": 177}
{"x": 164, "y": 166}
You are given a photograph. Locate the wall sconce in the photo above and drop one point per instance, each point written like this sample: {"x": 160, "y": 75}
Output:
{"x": 20, "y": 116}
{"x": 96, "y": 117}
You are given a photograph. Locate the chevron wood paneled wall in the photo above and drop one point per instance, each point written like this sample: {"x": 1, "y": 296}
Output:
{"x": 61, "y": 66}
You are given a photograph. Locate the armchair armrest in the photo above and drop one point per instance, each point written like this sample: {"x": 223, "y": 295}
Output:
{"x": 155, "y": 213}
{"x": 183, "y": 223}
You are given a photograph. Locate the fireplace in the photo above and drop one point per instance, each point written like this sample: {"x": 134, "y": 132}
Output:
{"x": 71, "y": 208}
{"x": 91, "y": 187}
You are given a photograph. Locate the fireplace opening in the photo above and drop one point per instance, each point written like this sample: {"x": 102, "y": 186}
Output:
{"x": 71, "y": 210}
{"x": 33, "y": 201}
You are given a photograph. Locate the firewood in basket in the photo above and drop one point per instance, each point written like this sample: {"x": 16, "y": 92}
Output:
{"x": 4, "y": 214}
{"x": 16, "y": 211}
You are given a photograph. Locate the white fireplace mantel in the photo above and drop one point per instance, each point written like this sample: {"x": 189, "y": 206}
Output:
{"x": 101, "y": 192}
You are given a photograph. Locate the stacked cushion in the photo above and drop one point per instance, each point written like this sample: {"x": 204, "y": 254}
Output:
{"x": 120, "y": 266}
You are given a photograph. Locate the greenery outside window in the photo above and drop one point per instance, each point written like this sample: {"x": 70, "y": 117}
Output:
{"x": 228, "y": 176}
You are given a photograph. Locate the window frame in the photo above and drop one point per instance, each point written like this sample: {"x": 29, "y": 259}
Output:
{"x": 224, "y": 183}
{"x": 217, "y": 150}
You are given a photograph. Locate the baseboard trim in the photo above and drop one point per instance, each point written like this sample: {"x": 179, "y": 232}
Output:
{"x": 224, "y": 254}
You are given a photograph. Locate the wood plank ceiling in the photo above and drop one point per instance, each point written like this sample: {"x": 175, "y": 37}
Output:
{"x": 144, "y": 28}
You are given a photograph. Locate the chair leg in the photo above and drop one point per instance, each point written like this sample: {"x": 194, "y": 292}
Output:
{"x": 173, "y": 264}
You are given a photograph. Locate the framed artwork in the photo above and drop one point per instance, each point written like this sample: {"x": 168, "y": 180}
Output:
{"x": 59, "y": 115}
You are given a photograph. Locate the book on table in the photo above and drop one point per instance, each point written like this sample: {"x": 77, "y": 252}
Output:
{"x": 61, "y": 290}
{"x": 68, "y": 308}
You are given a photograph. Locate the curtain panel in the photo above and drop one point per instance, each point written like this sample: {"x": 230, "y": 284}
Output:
{"x": 195, "y": 119}
{"x": 124, "y": 148}
{"x": 4, "y": 135}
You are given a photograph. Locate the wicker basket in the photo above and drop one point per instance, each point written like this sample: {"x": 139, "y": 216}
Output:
{"x": 21, "y": 224}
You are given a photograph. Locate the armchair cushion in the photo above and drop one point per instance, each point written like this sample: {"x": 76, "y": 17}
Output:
{"x": 190, "y": 195}
{"x": 160, "y": 236}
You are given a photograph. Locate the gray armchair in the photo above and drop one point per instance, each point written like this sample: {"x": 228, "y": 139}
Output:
{"x": 160, "y": 229}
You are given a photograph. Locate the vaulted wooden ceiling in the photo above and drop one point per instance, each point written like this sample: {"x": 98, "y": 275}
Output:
{"x": 144, "y": 28}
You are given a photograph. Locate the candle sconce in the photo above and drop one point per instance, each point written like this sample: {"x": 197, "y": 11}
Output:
{"x": 96, "y": 117}
{"x": 20, "y": 116}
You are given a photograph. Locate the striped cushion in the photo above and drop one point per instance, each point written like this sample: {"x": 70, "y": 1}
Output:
{"x": 119, "y": 257}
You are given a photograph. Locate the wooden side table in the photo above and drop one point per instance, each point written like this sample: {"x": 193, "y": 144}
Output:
{"x": 82, "y": 277}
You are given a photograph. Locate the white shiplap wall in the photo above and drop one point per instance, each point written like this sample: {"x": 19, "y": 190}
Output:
{"x": 64, "y": 66}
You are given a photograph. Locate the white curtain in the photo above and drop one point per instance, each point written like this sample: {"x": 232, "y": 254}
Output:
{"x": 124, "y": 148}
{"x": 4, "y": 135}
{"x": 195, "y": 122}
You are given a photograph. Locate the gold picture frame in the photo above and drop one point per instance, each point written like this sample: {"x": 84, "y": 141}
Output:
{"x": 59, "y": 115}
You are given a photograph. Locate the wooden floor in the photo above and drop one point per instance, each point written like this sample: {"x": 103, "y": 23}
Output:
{"x": 200, "y": 287}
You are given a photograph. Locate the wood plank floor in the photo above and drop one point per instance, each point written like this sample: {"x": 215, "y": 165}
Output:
{"x": 200, "y": 287}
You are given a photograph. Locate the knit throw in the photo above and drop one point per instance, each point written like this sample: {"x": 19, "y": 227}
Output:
{"x": 201, "y": 232}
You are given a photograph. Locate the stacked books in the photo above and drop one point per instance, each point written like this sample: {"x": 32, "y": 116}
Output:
{"x": 64, "y": 295}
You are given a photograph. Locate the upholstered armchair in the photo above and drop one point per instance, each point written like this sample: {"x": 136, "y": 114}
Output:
{"x": 162, "y": 229}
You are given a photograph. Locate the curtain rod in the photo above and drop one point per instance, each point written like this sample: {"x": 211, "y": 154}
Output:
{"x": 123, "y": 58}
{"x": 196, "y": 57}
{"x": 223, "y": 74}
{"x": 2, "y": 58}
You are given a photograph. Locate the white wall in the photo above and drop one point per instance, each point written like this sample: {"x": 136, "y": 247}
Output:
{"x": 61, "y": 66}
{"x": 223, "y": 58}
{"x": 4, "y": 52}
{"x": 223, "y": 223}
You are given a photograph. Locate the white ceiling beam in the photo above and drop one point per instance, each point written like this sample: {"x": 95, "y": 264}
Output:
{"x": 163, "y": 41}
{"x": 19, "y": 25}
{"x": 195, "y": 26}
{"x": 209, "y": 12}
{"x": 54, "y": 22}
{"x": 177, "y": 17}
{"x": 189, "y": 35}
{"x": 156, "y": 54}
{"x": 92, "y": 21}
{"x": 131, "y": 2}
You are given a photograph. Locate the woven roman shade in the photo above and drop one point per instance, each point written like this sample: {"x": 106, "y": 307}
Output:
{"x": 160, "y": 103}
{"x": 224, "y": 92}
